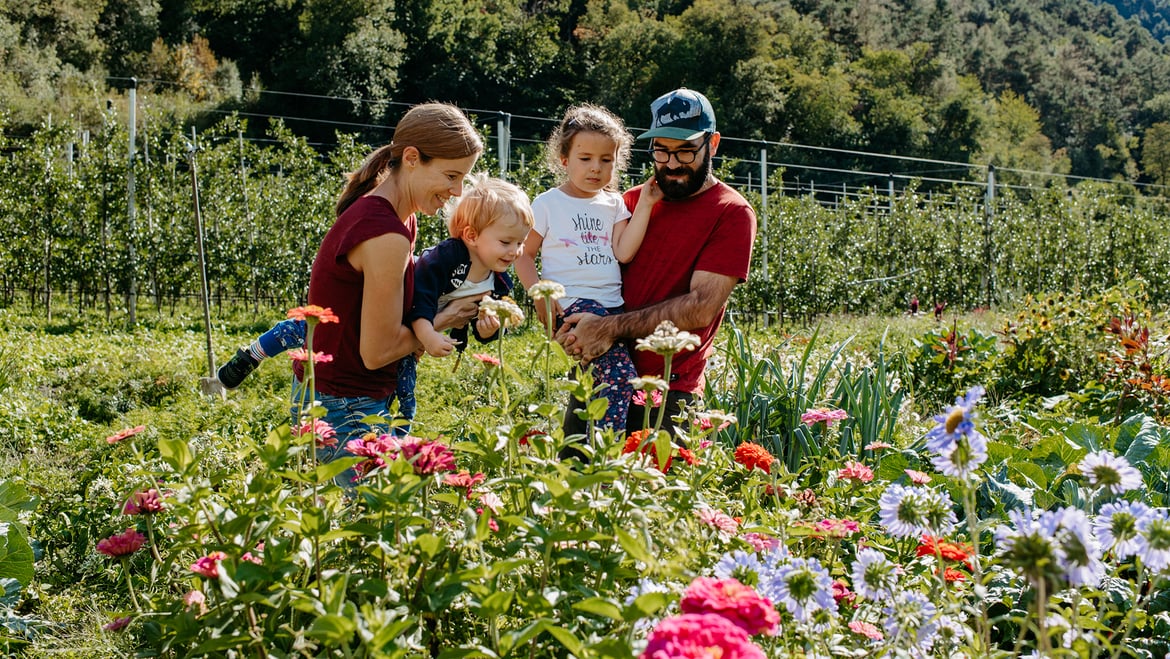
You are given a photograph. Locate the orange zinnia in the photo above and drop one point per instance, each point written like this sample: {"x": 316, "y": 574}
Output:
{"x": 636, "y": 438}
{"x": 314, "y": 312}
{"x": 951, "y": 551}
{"x": 753, "y": 455}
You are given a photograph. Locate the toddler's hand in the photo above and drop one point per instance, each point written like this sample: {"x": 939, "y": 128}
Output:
{"x": 439, "y": 345}
{"x": 487, "y": 325}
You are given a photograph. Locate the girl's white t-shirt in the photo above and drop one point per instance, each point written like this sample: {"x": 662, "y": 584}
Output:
{"x": 577, "y": 251}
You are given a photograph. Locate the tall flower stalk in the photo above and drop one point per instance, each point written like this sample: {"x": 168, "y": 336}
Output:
{"x": 667, "y": 341}
{"x": 548, "y": 291}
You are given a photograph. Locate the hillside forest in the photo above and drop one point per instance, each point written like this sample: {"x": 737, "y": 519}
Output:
{"x": 1060, "y": 86}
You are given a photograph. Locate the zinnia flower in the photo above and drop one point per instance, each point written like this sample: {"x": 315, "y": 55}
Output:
{"x": 117, "y": 624}
{"x": 636, "y": 438}
{"x": 866, "y": 629}
{"x": 1110, "y": 472}
{"x": 546, "y": 289}
{"x": 505, "y": 309}
{"x": 123, "y": 434}
{"x": 855, "y": 471}
{"x": 464, "y": 479}
{"x": 208, "y": 565}
{"x": 302, "y": 355}
{"x": 426, "y": 456}
{"x": 951, "y": 551}
{"x": 733, "y": 600}
{"x": 668, "y": 340}
{"x": 918, "y": 477}
{"x": 486, "y": 359}
{"x": 196, "y": 602}
{"x": 323, "y": 433}
{"x": 699, "y": 636}
{"x": 123, "y": 544}
{"x": 878, "y": 445}
{"x": 752, "y": 456}
{"x": 313, "y": 314}
{"x": 639, "y": 398}
{"x": 144, "y": 502}
{"x": 816, "y": 415}
{"x": 719, "y": 520}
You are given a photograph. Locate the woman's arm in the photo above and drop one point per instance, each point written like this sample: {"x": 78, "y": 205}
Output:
{"x": 382, "y": 261}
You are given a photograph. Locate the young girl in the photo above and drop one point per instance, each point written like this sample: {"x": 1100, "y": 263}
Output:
{"x": 584, "y": 232}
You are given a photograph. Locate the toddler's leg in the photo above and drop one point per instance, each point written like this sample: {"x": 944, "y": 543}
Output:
{"x": 283, "y": 336}
{"x": 615, "y": 369}
{"x": 407, "y": 379}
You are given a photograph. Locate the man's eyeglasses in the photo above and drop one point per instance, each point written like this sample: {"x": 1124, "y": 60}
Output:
{"x": 683, "y": 156}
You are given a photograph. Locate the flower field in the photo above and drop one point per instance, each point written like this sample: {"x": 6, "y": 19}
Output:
{"x": 991, "y": 484}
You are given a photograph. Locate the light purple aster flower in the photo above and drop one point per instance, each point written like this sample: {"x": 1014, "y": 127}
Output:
{"x": 902, "y": 511}
{"x": 742, "y": 566}
{"x": 1116, "y": 527}
{"x": 910, "y": 622}
{"x": 1029, "y": 544}
{"x": 1081, "y": 548}
{"x": 874, "y": 576}
{"x": 803, "y": 587}
{"x": 960, "y": 458}
{"x": 1110, "y": 472}
{"x": 1154, "y": 539}
{"x": 958, "y": 420}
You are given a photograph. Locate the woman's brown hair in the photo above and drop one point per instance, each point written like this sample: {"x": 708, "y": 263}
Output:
{"x": 437, "y": 130}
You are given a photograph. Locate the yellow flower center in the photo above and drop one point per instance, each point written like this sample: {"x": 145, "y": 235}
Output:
{"x": 954, "y": 419}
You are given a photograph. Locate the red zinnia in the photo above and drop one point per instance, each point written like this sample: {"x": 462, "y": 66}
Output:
{"x": 123, "y": 544}
{"x": 117, "y": 624}
{"x": 951, "y": 551}
{"x": 123, "y": 434}
{"x": 753, "y": 455}
{"x": 312, "y": 313}
{"x": 635, "y": 440}
{"x": 699, "y": 636}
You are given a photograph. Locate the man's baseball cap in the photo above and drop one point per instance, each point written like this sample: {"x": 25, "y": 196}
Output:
{"x": 682, "y": 114}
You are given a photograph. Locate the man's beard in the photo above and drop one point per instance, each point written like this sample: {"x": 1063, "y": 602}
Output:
{"x": 675, "y": 190}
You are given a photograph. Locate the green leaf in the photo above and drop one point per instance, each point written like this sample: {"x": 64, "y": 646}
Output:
{"x": 634, "y": 547}
{"x": 599, "y": 606}
{"x": 13, "y": 499}
{"x": 176, "y": 453}
{"x": 596, "y": 409}
{"x": 496, "y": 604}
{"x": 567, "y": 639}
{"x": 1137, "y": 438}
{"x": 332, "y": 629}
{"x": 16, "y": 556}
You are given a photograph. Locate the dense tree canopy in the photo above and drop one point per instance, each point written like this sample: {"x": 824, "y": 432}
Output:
{"x": 943, "y": 79}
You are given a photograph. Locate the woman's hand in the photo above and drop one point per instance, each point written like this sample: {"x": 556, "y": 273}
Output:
{"x": 458, "y": 313}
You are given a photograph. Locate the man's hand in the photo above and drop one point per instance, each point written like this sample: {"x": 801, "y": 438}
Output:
{"x": 585, "y": 336}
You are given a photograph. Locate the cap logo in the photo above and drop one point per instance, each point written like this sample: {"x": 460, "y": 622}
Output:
{"x": 676, "y": 107}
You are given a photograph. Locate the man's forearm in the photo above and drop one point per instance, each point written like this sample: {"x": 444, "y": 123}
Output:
{"x": 685, "y": 311}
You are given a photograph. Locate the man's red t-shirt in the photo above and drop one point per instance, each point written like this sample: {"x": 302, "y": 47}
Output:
{"x": 711, "y": 232}
{"x": 335, "y": 284}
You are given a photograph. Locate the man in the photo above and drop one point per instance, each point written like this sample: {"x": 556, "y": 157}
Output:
{"x": 698, "y": 246}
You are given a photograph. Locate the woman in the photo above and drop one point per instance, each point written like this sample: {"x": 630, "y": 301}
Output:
{"x": 364, "y": 269}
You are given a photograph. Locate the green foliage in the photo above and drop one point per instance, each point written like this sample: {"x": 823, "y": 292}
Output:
{"x": 950, "y": 362}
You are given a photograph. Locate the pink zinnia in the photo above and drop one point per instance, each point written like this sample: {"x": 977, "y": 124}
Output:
{"x": 123, "y": 544}
{"x": 918, "y": 477}
{"x": 323, "y": 432}
{"x": 761, "y": 542}
{"x": 196, "y": 602}
{"x": 117, "y": 624}
{"x": 464, "y": 479}
{"x": 639, "y": 399}
{"x": 816, "y": 415}
{"x": 731, "y": 599}
{"x": 302, "y": 355}
{"x": 208, "y": 566}
{"x": 144, "y": 502}
{"x": 700, "y": 636}
{"x": 720, "y": 520}
{"x": 486, "y": 359}
{"x": 837, "y": 528}
{"x": 491, "y": 520}
{"x": 841, "y": 592}
{"x": 866, "y": 629}
{"x": 856, "y": 471}
{"x": 875, "y": 446}
{"x": 123, "y": 434}
{"x": 426, "y": 456}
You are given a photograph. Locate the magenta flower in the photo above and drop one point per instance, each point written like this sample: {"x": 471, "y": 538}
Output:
{"x": 123, "y": 544}
{"x": 323, "y": 432}
{"x": 144, "y": 502}
{"x": 302, "y": 355}
{"x": 208, "y": 566}
{"x": 427, "y": 456}
{"x": 700, "y": 636}
{"x": 117, "y": 624}
{"x": 731, "y": 599}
